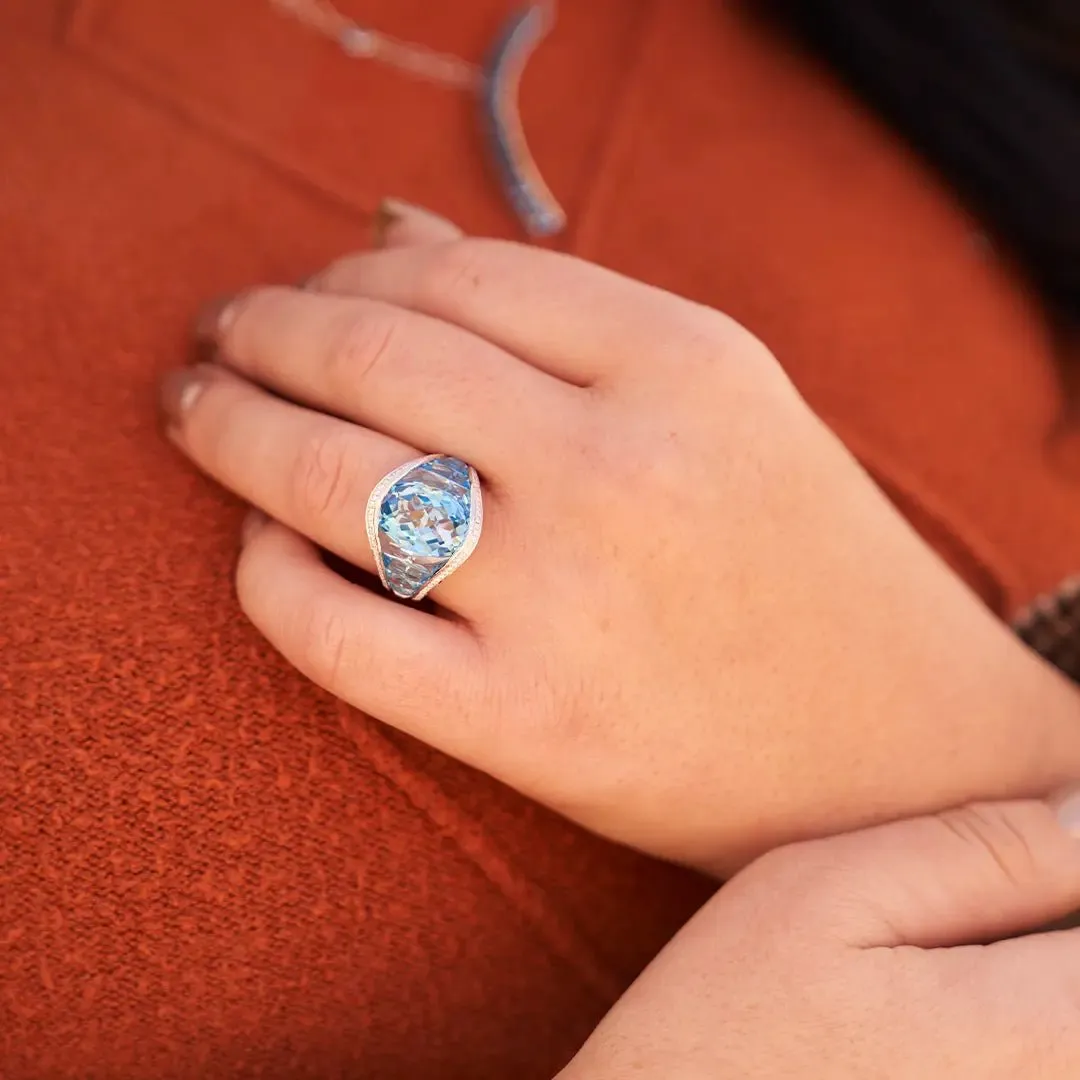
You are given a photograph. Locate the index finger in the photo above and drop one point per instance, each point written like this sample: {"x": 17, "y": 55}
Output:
{"x": 573, "y": 319}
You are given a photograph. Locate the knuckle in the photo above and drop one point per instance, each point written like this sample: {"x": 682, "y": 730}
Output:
{"x": 455, "y": 270}
{"x": 821, "y": 887}
{"x": 550, "y": 723}
{"x": 714, "y": 339}
{"x": 359, "y": 346}
{"x": 636, "y": 459}
{"x": 990, "y": 830}
{"x": 325, "y": 475}
{"x": 716, "y": 351}
{"x": 783, "y": 866}
{"x": 559, "y": 722}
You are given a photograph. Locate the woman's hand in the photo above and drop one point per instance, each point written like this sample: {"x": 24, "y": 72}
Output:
{"x": 692, "y": 623}
{"x": 859, "y": 957}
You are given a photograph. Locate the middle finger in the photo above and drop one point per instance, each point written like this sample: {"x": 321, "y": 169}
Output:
{"x": 410, "y": 376}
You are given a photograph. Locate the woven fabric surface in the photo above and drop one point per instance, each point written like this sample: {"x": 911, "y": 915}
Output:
{"x": 207, "y": 867}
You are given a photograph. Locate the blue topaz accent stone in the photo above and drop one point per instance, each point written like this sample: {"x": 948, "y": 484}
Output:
{"x": 423, "y": 522}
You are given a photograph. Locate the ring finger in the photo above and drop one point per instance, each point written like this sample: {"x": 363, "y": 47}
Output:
{"x": 310, "y": 471}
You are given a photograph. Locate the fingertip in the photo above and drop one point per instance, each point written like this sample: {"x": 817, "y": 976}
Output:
{"x": 276, "y": 568}
{"x": 1066, "y": 807}
{"x": 267, "y": 549}
{"x": 401, "y": 224}
{"x": 178, "y": 392}
{"x": 258, "y": 529}
{"x": 214, "y": 318}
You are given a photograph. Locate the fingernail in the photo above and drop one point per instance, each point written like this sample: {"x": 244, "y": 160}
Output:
{"x": 180, "y": 390}
{"x": 399, "y": 224}
{"x": 1067, "y": 806}
{"x": 393, "y": 212}
{"x": 213, "y": 320}
{"x": 253, "y": 523}
{"x": 389, "y": 212}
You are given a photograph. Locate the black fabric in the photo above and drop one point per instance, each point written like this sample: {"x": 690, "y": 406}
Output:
{"x": 983, "y": 90}
{"x": 1051, "y": 626}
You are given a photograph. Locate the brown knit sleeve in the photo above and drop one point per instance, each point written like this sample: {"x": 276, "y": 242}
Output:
{"x": 1051, "y": 626}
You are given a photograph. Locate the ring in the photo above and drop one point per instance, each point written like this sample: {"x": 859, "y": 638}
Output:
{"x": 423, "y": 522}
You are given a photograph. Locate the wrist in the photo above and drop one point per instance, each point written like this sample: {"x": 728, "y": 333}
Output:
{"x": 937, "y": 725}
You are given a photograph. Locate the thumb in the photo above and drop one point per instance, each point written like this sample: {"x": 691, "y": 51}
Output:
{"x": 980, "y": 873}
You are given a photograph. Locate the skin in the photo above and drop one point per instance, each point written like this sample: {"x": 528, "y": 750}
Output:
{"x": 857, "y": 958}
{"x": 692, "y": 623}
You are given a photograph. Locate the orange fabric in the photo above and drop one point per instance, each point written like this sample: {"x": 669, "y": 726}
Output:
{"x": 208, "y": 868}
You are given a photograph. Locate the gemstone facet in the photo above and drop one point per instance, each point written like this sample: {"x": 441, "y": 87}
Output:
{"x": 423, "y": 522}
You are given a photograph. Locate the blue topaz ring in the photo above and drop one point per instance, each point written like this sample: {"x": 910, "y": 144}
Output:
{"x": 423, "y": 522}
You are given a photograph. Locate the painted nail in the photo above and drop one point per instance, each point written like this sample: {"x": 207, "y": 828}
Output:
{"x": 213, "y": 320}
{"x": 398, "y": 223}
{"x": 389, "y": 212}
{"x": 180, "y": 390}
{"x": 254, "y": 520}
{"x": 1067, "y": 806}
{"x": 393, "y": 212}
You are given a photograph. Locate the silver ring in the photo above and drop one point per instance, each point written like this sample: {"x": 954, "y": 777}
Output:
{"x": 423, "y": 522}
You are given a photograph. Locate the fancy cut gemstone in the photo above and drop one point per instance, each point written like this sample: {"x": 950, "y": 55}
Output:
{"x": 405, "y": 577}
{"x": 426, "y": 515}
{"x": 423, "y": 521}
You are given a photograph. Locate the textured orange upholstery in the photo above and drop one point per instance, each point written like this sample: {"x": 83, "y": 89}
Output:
{"x": 207, "y": 867}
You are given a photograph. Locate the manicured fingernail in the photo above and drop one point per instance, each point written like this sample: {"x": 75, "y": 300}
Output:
{"x": 180, "y": 390}
{"x": 389, "y": 212}
{"x": 1067, "y": 806}
{"x": 213, "y": 320}
{"x": 398, "y": 223}
{"x": 253, "y": 523}
{"x": 393, "y": 212}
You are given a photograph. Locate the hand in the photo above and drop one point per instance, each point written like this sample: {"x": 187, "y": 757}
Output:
{"x": 858, "y": 957}
{"x": 692, "y": 623}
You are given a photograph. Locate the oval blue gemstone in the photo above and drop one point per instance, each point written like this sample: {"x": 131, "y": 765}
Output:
{"x": 426, "y": 513}
{"x": 423, "y": 521}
